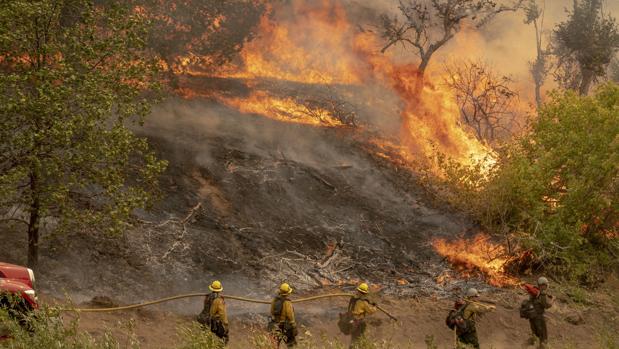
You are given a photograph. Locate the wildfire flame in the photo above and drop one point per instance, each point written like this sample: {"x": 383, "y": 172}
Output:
{"x": 283, "y": 109}
{"x": 477, "y": 257}
{"x": 314, "y": 43}
{"x": 310, "y": 43}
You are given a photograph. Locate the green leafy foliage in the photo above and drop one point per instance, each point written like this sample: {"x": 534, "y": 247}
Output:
{"x": 46, "y": 330}
{"x": 195, "y": 336}
{"x": 585, "y": 45}
{"x": 555, "y": 190}
{"x": 74, "y": 81}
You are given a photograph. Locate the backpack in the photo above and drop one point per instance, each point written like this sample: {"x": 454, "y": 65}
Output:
{"x": 450, "y": 320}
{"x": 455, "y": 320}
{"x": 204, "y": 317}
{"x": 527, "y": 309}
{"x": 278, "y": 307}
{"x": 345, "y": 323}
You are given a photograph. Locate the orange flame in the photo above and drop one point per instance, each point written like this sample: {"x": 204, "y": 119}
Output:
{"x": 477, "y": 257}
{"x": 310, "y": 48}
{"x": 283, "y": 109}
{"x": 313, "y": 42}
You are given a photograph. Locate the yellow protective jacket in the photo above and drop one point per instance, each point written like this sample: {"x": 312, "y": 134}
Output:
{"x": 362, "y": 308}
{"x": 218, "y": 310}
{"x": 287, "y": 311}
{"x": 472, "y": 311}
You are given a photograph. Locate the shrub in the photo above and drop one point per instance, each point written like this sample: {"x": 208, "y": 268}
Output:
{"x": 45, "y": 330}
{"x": 555, "y": 190}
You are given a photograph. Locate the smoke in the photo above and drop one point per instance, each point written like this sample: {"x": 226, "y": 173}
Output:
{"x": 324, "y": 44}
{"x": 506, "y": 43}
{"x": 200, "y": 127}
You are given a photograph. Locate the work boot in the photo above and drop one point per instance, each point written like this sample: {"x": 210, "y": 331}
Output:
{"x": 531, "y": 341}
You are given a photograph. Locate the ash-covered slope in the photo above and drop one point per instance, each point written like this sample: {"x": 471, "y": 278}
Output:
{"x": 252, "y": 201}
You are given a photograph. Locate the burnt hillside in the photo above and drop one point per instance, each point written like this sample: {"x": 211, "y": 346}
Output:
{"x": 253, "y": 201}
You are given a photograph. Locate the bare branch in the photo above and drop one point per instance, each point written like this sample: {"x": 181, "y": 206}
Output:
{"x": 428, "y": 27}
{"x": 484, "y": 98}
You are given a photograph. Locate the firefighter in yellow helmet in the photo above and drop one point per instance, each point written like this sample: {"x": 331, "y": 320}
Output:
{"x": 213, "y": 315}
{"x": 466, "y": 322}
{"x": 360, "y": 306}
{"x": 283, "y": 325}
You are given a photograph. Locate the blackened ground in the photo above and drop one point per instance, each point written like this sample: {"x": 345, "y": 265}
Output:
{"x": 254, "y": 202}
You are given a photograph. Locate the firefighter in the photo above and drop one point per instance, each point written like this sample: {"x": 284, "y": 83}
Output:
{"x": 466, "y": 319}
{"x": 213, "y": 315}
{"x": 541, "y": 301}
{"x": 359, "y": 307}
{"x": 283, "y": 325}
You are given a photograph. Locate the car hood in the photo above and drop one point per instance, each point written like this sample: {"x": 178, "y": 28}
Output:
{"x": 12, "y": 285}
{"x": 15, "y": 272}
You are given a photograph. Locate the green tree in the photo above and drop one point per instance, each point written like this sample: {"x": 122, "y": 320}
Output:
{"x": 584, "y": 45}
{"x": 74, "y": 81}
{"x": 565, "y": 179}
{"x": 534, "y": 14}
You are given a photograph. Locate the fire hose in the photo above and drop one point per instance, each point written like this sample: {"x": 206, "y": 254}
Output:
{"x": 237, "y": 298}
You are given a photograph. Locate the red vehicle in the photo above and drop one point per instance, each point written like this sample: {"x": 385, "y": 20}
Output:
{"x": 17, "y": 293}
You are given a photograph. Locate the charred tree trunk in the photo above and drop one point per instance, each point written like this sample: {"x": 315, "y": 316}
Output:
{"x": 585, "y": 83}
{"x": 539, "y": 66}
{"x": 173, "y": 79}
{"x": 538, "y": 94}
{"x": 34, "y": 221}
{"x": 421, "y": 72}
{"x": 539, "y": 74}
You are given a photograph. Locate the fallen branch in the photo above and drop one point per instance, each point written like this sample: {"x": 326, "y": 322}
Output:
{"x": 336, "y": 252}
{"x": 322, "y": 180}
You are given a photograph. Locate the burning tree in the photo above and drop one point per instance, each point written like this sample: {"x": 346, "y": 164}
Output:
{"x": 205, "y": 33}
{"x": 485, "y": 99}
{"x": 428, "y": 27}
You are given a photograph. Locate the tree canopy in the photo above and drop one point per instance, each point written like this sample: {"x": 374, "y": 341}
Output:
{"x": 75, "y": 80}
{"x": 585, "y": 44}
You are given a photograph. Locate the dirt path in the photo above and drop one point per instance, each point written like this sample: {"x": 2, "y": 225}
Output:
{"x": 158, "y": 328}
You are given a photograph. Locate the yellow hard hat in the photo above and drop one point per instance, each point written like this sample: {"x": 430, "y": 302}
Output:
{"x": 285, "y": 289}
{"x": 216, "y": 286}
{"x": 363, "y": 288}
